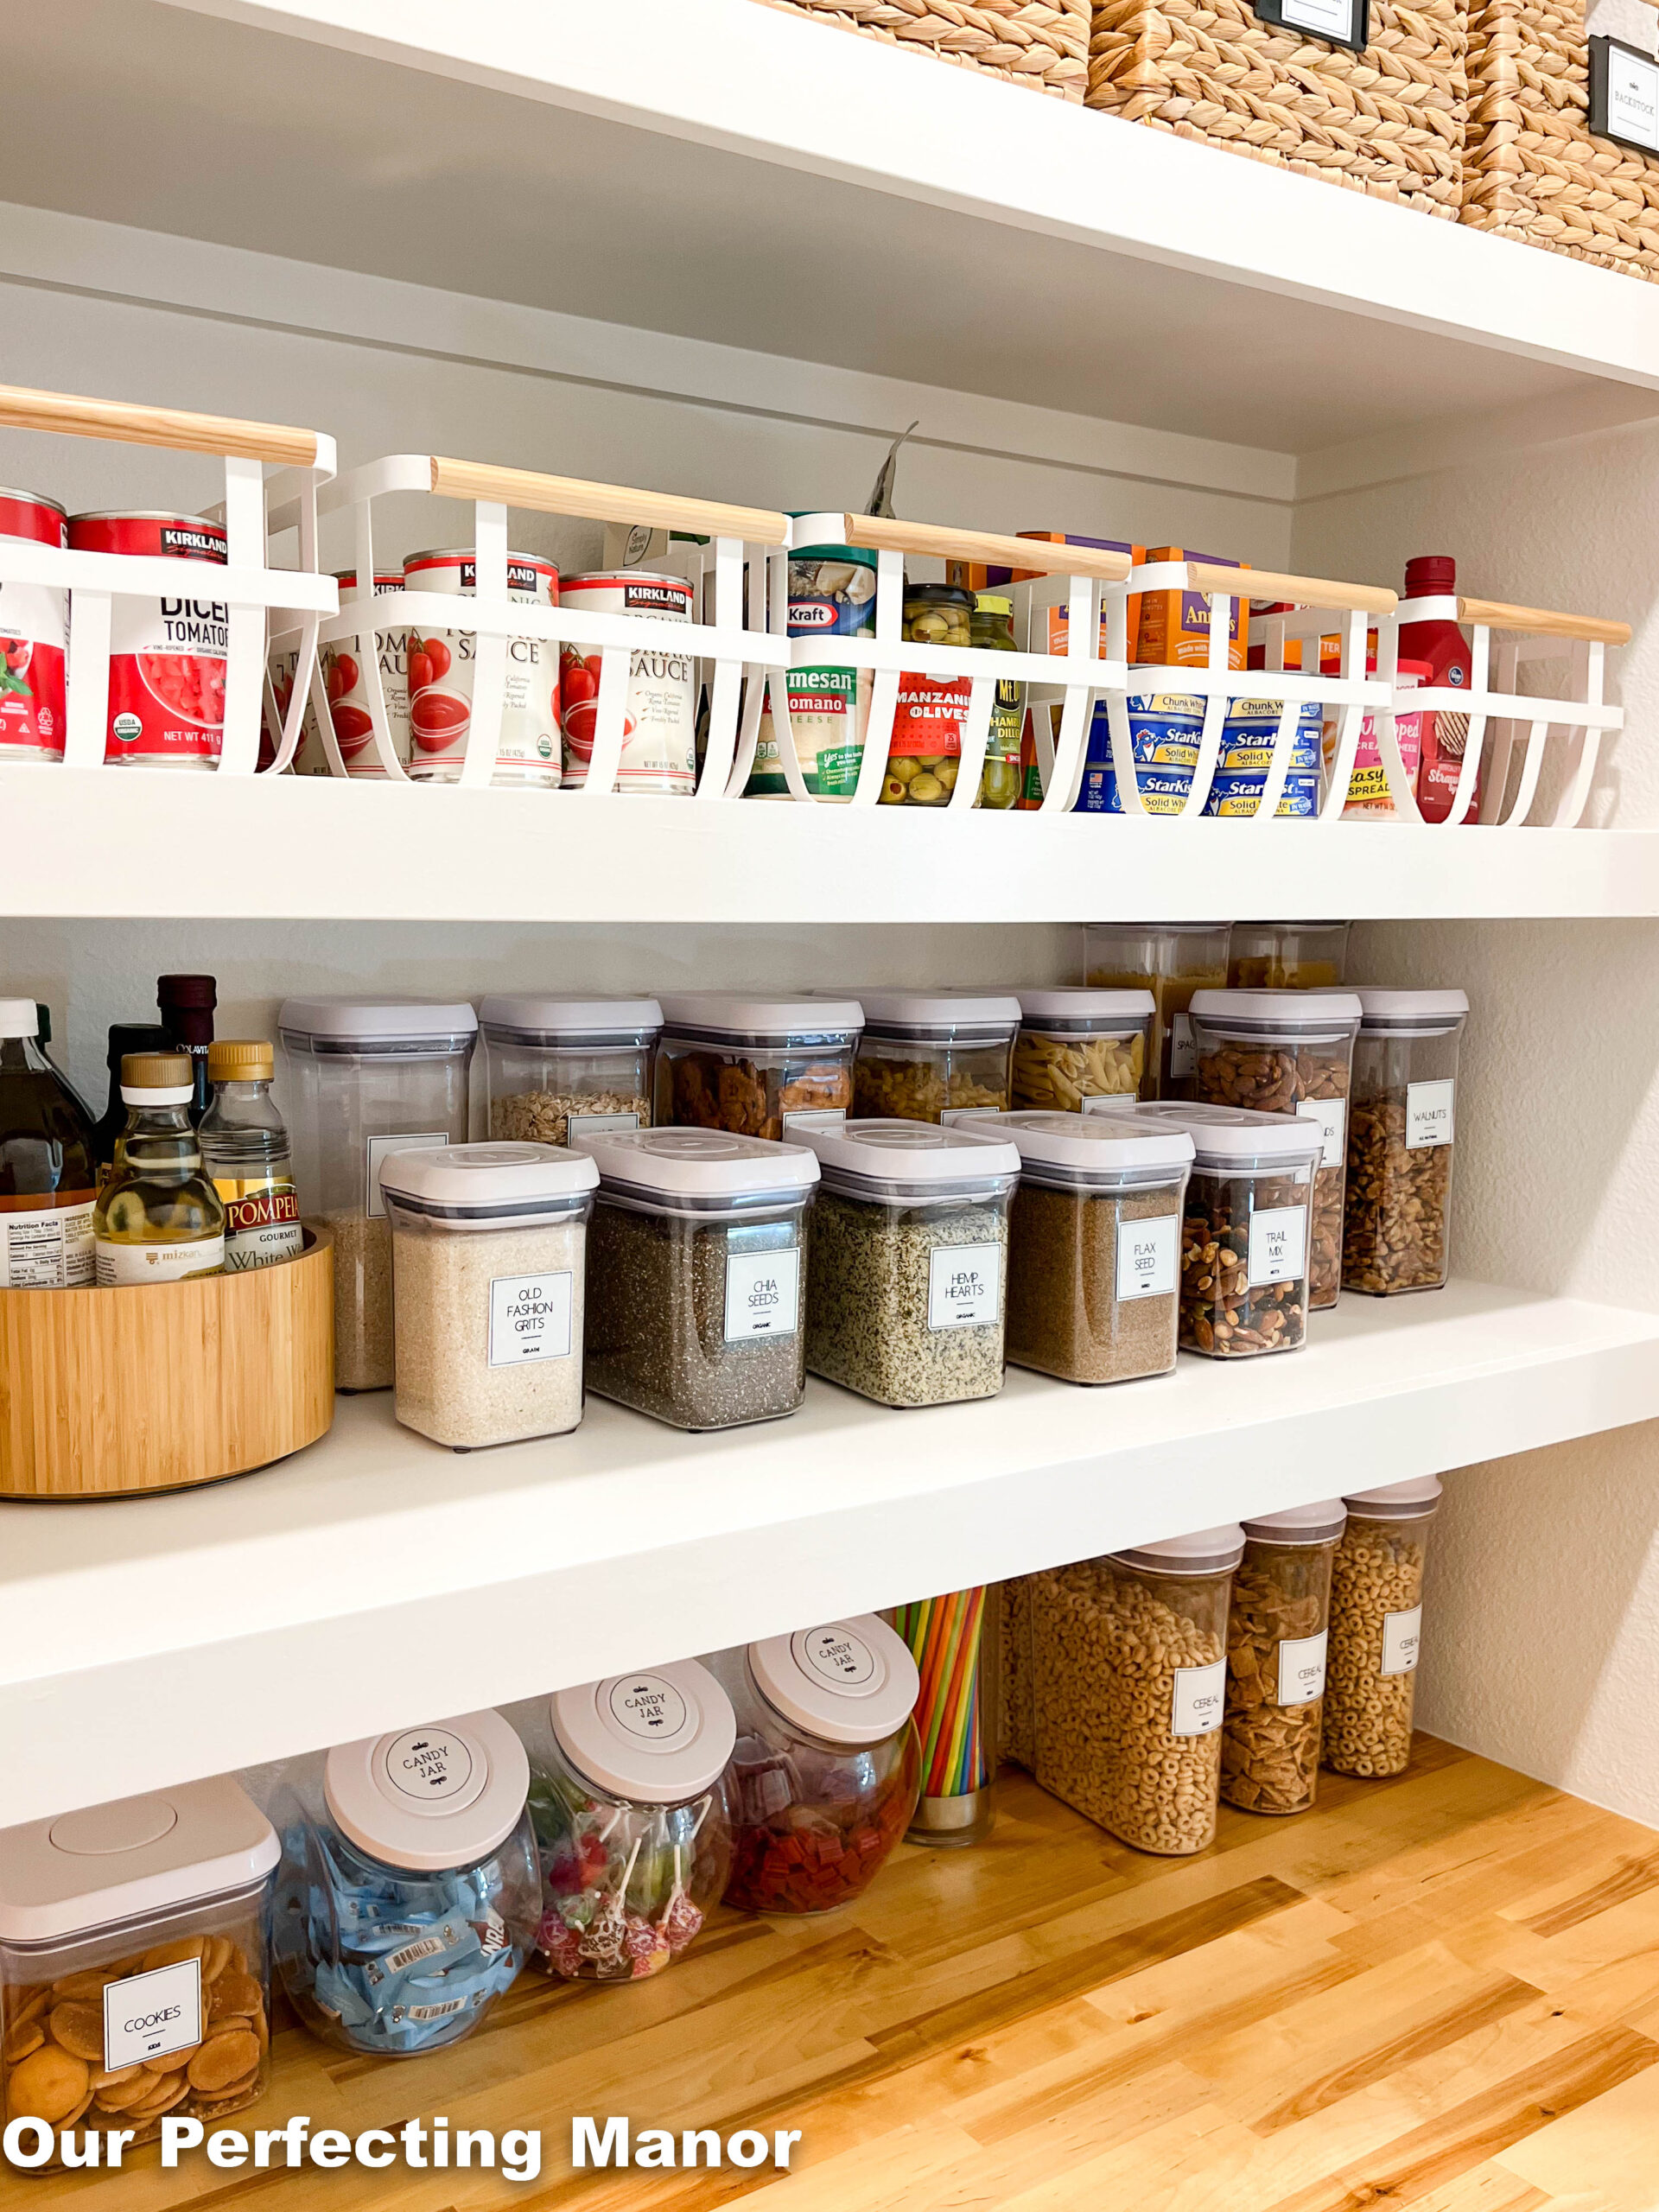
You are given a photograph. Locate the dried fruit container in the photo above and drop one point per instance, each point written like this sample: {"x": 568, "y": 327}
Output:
{"x": 1171, "y": 960}
{"x": 922, "y": 1052}
{"x": 1377, "y": 1624}
{"x": 1401, "y": 1126}
{"x": 1276, "y": 1644}
{"x": 556, "y": 1067}
{"x": 762, "y": 1067}
{"x": 1287, "y": 955}
{"x": 408, "y": 1898}
{"x": 135, "y": 1976}
{"x": 629, "y": 1805}
{"x": 1076, "y": 1045}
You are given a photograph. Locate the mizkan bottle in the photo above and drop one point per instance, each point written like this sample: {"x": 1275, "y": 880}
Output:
{"x": 1442, "y": 645}
{"x": 158, "y": 1219}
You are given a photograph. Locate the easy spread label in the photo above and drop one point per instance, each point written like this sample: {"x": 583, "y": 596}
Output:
{"x": 964, "y": 1286}
{"x": 530, "y": 1317}
{"x": 1428, "y": 1115}
{"x": 1402, "y": 1633}
{"x": 1199, "y": 1697}
{"x": 150, "y": 2015}
{"x": 1278, "y": 1244}
{"x": 1301, "y": 1668}
{"x": 763, "y": 1293}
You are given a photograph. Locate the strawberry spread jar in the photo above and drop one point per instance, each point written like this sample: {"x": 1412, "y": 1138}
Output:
{"x": 167, "y": 656}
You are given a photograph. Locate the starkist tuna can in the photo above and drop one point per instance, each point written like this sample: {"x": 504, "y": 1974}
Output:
{"x": 441, "y": 668}
{"x": 659, "y": 751}
{"x": 167, "y": 656}
{"x": 33, "y": 637}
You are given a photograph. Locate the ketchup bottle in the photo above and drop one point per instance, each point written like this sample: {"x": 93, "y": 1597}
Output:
{"x": 1442, "y": 647}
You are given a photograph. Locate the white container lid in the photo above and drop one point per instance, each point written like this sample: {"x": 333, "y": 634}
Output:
{"x": 556, "y": 1016}
{"x": 1299, "y": 1524}
{"x": 1385, "y": 1009}
{"x": 933, "y": 1157}
{"x": 18, "y": 1017}
{"x": 758, "y": 1020}
{"x": 699, "y": 1163}
{"x": 499, "y": 1180}
{"x": 1075, "y": 1006}
{"x": 1410, "y": 1501}
{"x": 1223, "y": 1135}
{"x": 1294, "y": 1012}
{"x": 849, "y": 1681}
{"x": 1090, "y": 1144}
{"x": 655, "y": 1738}
{"x": 376, "y": 1021}
{"x": 137, "y": 1858}
{"x": 952, "y": 1013}
{"x": 432, "y": 1798}
{"x": 1207, "y": 1551}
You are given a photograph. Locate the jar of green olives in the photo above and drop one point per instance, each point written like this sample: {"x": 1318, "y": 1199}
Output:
{"x": 932, "y": 710}
{"x": 999, "y": 779}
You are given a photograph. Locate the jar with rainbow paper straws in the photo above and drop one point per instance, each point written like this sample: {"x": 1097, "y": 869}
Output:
{"x": 943, "y": 1636}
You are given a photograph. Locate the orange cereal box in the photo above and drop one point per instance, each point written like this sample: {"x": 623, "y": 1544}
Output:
{"x": 1174, "y": 627}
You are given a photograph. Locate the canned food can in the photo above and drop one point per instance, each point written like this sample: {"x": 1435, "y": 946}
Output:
{"x": 348, "y": 702}
{"x": 1247, "y": 738}
{"x": 440, "y": 668}
{"x": 34, "y": 634}
{"x": 832, "y": 594}
{"x": 1163, "y": 790}
{"x": 659, "y": 716}
{"x": 1165, "y": 727}
{"x": 167, "y": 656}
{"x": 1241, "y": 796}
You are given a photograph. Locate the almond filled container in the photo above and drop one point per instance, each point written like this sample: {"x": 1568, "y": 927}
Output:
{"x": 1401, "y": 1127}
{"x": 1277, "y": 1633}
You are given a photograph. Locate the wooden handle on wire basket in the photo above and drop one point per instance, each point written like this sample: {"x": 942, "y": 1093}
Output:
{"x": 1541, "y": 623}
{"x": 1300, "y": 591}
{"x": 880, "y": 534}
{"x": 619, "y": 503}
{"x": 173, "y": 427}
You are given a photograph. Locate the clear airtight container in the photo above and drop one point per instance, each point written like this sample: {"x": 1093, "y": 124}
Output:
{"x": 489, "y": 1243}
{"x": 906, "y": 1278}
{"x": 924, "y": 1050}
{"x": 1076, "y": 1045}
{"x": 1276, "y": 1649}
{"x": 696, "y": 1257}
{"x": 629, "y": 1804}
{"x": 408, "y": 1898}
{"x": 1377, "y": 1624}
{"x": 1402, "y": 1124}
{"x": 827, "y": 1766}
{"x": 1287, "y": 956}
{"x": 557, "y": 1067}
{"x": 135, "y": 1975}
{"x": 367, "y": 1076}
{"x": 762, "y": 1067}
{"x": 1171, "y": 960}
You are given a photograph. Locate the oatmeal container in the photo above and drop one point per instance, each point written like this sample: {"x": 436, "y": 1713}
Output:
{"x": 762, "y": 1067}
{"x": 408, "y": 1898}
{"x": 1276, "y": 1642}
{"x": 560, "y": 1068}
{"x": 1401, "y": 1128}
{"x": 1287, "y": 956}
{"x": 488, "y": 1248}
{"x": 1171, "y": 960}
{"x": 135, "y": 1976}
{"x": 1377, "y": 1624}
{"x": 628, "y": 1799}
{"x": 441, "y": 667}
{"x": 906, "y": 1273}
{"x": 660, "y": 752}
{"x": 365, "y": 1077}
{"x": 694, "y": 1262}
{"x": 1289, "y": 1051}
{"x": 827, "y": 1767}
{"x": 923, "y": 1050}
{"x": 33, "y": 638}
{"x": 167, "y": 656}
{"x": 1076, "y": 1045}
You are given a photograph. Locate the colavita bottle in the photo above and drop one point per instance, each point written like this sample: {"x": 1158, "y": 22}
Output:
{"x": 124, "y": 1037}
{"x": 158, "y": 1219}
{"x": 187, "y": 1003}
{"x": 46, "y": 1175}
{"x": 245, "y": 1150}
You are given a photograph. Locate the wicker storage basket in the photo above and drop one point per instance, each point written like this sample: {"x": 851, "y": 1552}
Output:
{"x": 1388, "y": 120}
{"x": 1531, "y": 169}
{"x": 1042, "y": 43}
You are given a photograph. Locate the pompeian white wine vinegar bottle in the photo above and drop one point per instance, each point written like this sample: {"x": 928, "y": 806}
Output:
{"x": 245, "y": 1149}
{"x": 158, "y": 1217}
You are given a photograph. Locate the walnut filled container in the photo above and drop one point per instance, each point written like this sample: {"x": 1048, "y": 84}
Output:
{"x": 1075, "y": 1045}
{"x": 922, "y": 1052}
{"x": 556, "y": 1067}
{"x": 1401, "y": 1125}
{"x": 1277, "y": 1632}
{"x": 1171, "y": 960}
{"x": 1376, "y": 1626}
{"x": 762, "y": 1067}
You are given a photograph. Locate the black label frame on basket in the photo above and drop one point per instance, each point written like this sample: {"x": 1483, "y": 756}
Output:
{"x": 1623, "y": 94}
{"x": 1333, "y": 22}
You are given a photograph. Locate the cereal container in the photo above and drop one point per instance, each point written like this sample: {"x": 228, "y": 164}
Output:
{"x": 628, "y": 1800}
{"x": 1076, "y": 1045}
{"x": 762, "y": 1067}
{"x": 907, "y": 1277}
{"x": 923, "y": 1050}
{"x": 135, "y": 1976}
{"x": 832, "y": 594}
{"x": 825, "y": 1774}
{"x": 557, "y": 1068}
{"x": 1377, "y": 1622}
{"x": 442, "y": 668}
{"x": 1287, "y": 955}
{"x": 487, "y": 1250}
{"x": 1289, "y": 1051}
{"x": 1171, "y": 960}
{"x": 367, "y": 1076}
{"x": 1276, "y": 1638}
{"x": 33, "y": 638}
{"x": 1400, "y": 1130}
{"x": 695, "y": 1275}
{"x": 409, "y": 1893}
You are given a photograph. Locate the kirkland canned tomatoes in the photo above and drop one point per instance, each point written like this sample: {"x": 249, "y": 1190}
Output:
{"x": 659, "y": 744}
{"x": 167, "y": 656}
{"x": 348, "y": 703}
{"x": 441, "y": 670}
{"x": 31, "y": 639}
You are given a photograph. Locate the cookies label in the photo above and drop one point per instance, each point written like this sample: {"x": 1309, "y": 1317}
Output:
{"x": 150, "y": 2015}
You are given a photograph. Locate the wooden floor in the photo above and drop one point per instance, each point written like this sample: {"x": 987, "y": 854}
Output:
{"x": 1440, "y": 1992}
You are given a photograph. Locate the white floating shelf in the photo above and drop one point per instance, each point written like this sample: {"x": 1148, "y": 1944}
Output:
{"x": 376, "y": 1581}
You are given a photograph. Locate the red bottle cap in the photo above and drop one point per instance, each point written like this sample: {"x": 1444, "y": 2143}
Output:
{"x": 196, "y": 991}
{"x": 1431, "y": 576}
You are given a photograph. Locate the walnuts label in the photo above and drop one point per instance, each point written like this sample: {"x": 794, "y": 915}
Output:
{"x": 1428, "y": 1113}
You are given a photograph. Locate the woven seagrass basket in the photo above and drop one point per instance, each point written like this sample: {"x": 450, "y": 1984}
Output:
{"x": 1388, "y": 120}
{"x": 1531, "y": 169}
{"x": 1042, "y": 43}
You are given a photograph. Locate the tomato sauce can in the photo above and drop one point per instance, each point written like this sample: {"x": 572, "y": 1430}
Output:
{"x": 34, "y": 634}
{"x": 167, "y": 656}
{"x": 659, "y": 719}
{"x": 440, "y": 668}
{"x": 348, "y": 703}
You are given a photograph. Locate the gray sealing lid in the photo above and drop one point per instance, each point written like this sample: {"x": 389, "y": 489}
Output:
{"x": 1205, "y": 1551}
{"x": 1319, "y": 1523}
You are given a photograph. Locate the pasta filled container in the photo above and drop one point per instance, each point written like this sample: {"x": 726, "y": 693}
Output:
{"x": 922, "y": 1051}
{"x": 557, "y": 1068}
{"x": 1076, "y": 1045}
{"x": 1171, "y": 960}
{"x": 760, "y": 1067}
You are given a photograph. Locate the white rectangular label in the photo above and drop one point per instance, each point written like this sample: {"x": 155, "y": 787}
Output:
{"x": 149, "y": 2015}
{"x": 1199, "y": 1700}
{"x": 964, "y": 1286}
{"x": 1332, "y": 1115}
{"x": 1182, "y": 1057}
{"x": 815, "y": 1117}
{"x": 1428, "y": 1113}
{"x": 580, "y": 1125}
{"x": 1401, "y": 1635}
{"x": 47, "y": 1247}
{"x": 426, "y": 1140}
{"x": 1633, "y": 98}
{"x": 530, "y": 1317}
{"x": 1146, "y": 1256}
{"x": 763, "y": 1293}
{"x": 1301, "y": 1668}
{"x": 1324, "y": 18}
{"x": 1278, "y": 1244}
{"x": 118, "y": 1264}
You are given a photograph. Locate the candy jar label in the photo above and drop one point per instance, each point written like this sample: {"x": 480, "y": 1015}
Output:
{"x": 648, "y": 1708}
{"x": 839, "y": 1655}
{"x": 431, "y": 1767}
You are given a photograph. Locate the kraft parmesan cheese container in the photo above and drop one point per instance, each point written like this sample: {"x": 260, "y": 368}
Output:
{"x": 832, "y": 594}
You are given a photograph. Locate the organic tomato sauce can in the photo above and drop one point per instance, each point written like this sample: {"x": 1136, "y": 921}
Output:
{"x": 441, "y": 667}
{"x": 33, "y": 637}
{"x": 659, "y": 740}
{"x": 348, "y": 704}
{"x": 167, "y": 656}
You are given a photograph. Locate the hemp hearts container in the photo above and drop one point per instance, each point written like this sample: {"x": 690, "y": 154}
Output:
{"x": 1171, "y": 960}
{"x": 134, "y": 1979}
{"x": 827, "y": 1767}
{"x": 1276, "y": 1638}
{"x": 1284, "y": 1052}
{"x": 1076, "y": 1045}
{"x": 629, "y": 1808}
{"x": 369, "y": 1076}
{"x": 1400, "y": 1130}
{"x": 1376, "y": 1621}
{"x": 923, "y": 1050}
{"x": 694, "y": 1264}
{"x": 762, "y": 1067}
{"x": 409, "y": 1893}
{"x": 487, "y": 1246}
{"x": 556, "y": 1067}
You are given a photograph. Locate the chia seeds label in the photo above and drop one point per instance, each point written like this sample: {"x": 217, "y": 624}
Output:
{"x": 167, "y": 656}
{"x": 763, "y": 1293}
{"x": 659, "y": 715}
{"x": 440, "y": 670}
{"x": 832, "y": 594}
{"x": 34, "y": 634}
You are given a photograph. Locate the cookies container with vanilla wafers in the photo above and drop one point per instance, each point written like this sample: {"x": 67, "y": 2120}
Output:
{"x": 134, "y": 1979}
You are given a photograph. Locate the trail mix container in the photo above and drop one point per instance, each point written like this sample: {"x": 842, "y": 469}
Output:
{"x": 1171, "y": 960}
{"x": 825, "y": 1776}
{"x": 409, "y": 1890}
{"x": 923, "y": 1050}
{"x": 832, "y": 594}
{"x": 1276, "y": 1640}
{"x": 33, "y": 638}
{"x": 488, "y": 1247}
{"x": 134, "y": 1979}
{"x": 659, "y": 745}
{"x": 1076, "y": 1045}
{"x": 1289, "y": 1051}
{"x": 630, "y": 1813}
{"x": 762, "y": 1067}
{"x": 559, "y": 1068}
{"x": 695, "y": 1263}
{"x": 1400, "y": 1131}
{"x": 907, "y": 1275}
{"x": 1287, "y": 955}
{"x": 931, "y": 712}
{"x": 1094, "y": 1244}
{"x": 1377, "y": 1624}
{"x": 369, "y": 1076}
{"x": 167, "y": 656}
{"x": 441, "y": 668}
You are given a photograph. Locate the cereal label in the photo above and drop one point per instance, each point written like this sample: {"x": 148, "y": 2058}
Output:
{"x": 1146, "y": 1256}
{"x": 530, "y": 1317}
{"x": 1428, "y": 1115}
{"x": 964, "y": 1286}
{"x": 1301, "y": 1668}
{"x": 1278, "y": 1244}
{"x": 1331, "y": 1115}
{"x": 1402, "y": 1633}
{"x": 1199, "y": 1699}
{"x": 763, "y": 1293}
{"x": 150, "y": 2015}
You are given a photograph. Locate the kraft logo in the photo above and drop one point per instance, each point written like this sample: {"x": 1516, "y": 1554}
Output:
{"x": 812, "y": 614}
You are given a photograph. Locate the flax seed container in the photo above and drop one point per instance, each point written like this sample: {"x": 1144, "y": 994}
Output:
{"x": 659, "y": 745}
{"x": 167, "y": 656}
{"x": 442, "y": 668}
{"x": 34, "y": 633}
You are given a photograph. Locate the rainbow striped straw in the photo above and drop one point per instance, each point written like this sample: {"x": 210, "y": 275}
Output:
{"x": 942, "y": 1634}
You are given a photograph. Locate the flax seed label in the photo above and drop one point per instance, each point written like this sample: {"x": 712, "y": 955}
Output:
{"x": 1146, "y": 1257}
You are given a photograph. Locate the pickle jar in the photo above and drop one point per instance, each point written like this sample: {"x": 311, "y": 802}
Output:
{"x": 1287, "y": 956}
{"x": 1171, "y": 960}
{"x": 556, "y": 1067}
{"x": 827, "y": 1768}
{"x": 1277, "y": 1634}
{"x": 922, "y": 1052}
{"x": 932, "y": 710}
{"x": 1376, "y": 1626}
{"x": 999, "y": 779}
{"x": 1402, "y": 1124}
{"x": 1076, "y": 1045}
{"x": 762, "y": 1067}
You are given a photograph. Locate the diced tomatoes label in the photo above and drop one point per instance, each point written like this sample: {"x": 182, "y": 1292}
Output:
{"x": 167, "y": 656}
